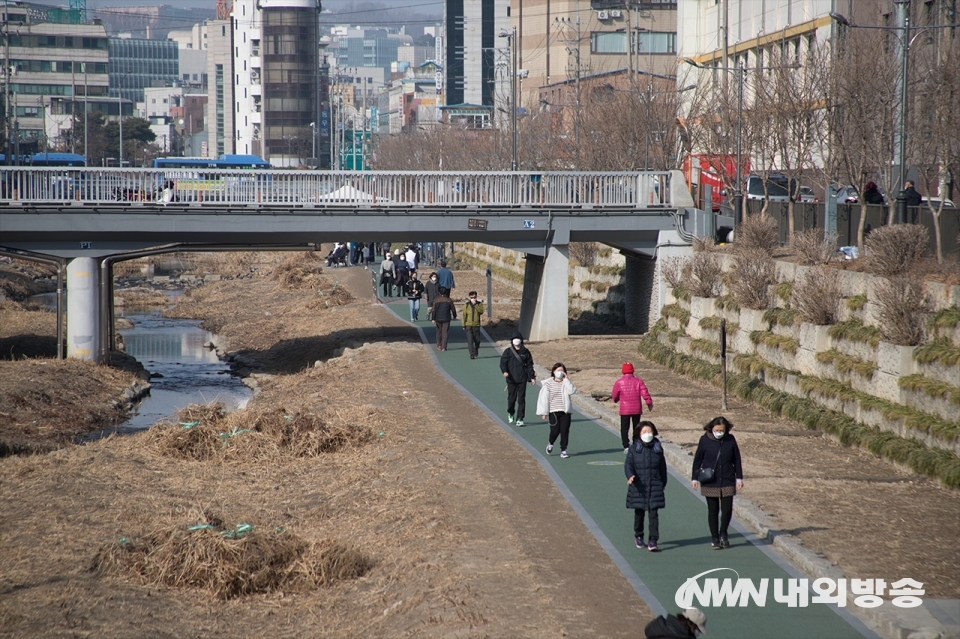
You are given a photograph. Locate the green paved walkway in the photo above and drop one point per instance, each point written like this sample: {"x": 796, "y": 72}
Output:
{"x": 592, "y": 479}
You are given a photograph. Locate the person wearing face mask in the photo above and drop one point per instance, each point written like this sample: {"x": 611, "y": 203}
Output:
{"x": 444, "y": 312}
{"x": 431, "y": 288}
{"x": 554, "y": 402}
{"x": 646, "y": 471}
{"x": 414, "y": 294}
{"x": 388, "y": 274}
{"x": 628, "y": 391}
{"x": 472, "y": 311}
{"x": 718, "y": 455}
{"x": 516, "y": 364}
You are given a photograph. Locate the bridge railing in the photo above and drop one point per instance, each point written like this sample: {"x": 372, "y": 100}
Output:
{"x": 334, "y": 189}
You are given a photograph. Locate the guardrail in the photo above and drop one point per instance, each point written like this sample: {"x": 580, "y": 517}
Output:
{"x": 334, "y": 189}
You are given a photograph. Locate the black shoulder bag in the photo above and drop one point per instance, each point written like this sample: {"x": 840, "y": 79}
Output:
{"x": 707, "y": 475}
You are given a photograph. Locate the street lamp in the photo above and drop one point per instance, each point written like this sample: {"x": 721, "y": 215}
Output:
{"x": 741, "y": 72}
{"x": 511, "y": 37}
{"x": 313, "y": 136}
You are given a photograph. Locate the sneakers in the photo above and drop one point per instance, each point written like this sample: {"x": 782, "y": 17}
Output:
{"x": 509, "y": 418}
{"x": 724, "y": 542}
{"x": 519, "y": 422}
{"x": 715, "y": 544}
{"x": 626, "y": 450}
{"x": 563, "y": 454}
{"x": 549, "y": 449}
{"x": 639, "y": 542}
{"x": 652, "y": 546}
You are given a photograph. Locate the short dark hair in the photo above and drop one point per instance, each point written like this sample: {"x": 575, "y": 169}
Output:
{"x": 443, "y": 264}
{"x": 639, "y": 427}
{"x": 471, "y": 293}
{"x": 719, "y": 421}
{"x": 443, "y": 290}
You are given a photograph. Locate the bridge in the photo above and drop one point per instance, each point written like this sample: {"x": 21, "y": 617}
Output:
{"x": 85, "y": 220}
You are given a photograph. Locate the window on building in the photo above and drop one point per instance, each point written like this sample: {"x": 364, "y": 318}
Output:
{"x": 656, "y": 42}
{"x": 608, "y": 42}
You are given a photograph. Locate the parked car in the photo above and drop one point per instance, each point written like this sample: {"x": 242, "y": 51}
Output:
{"x": 934, "y": 202}
{"x": 777, "y": 189}
{"x": 807, "y": 195}
{"x": 847, "y": 195}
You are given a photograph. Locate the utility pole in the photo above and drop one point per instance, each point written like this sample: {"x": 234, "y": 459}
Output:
{"x": 86, "y": 128}
{"x": 513, "y": 100}
{"x": 900, "y": 128}
{"x": 6, "y": 86}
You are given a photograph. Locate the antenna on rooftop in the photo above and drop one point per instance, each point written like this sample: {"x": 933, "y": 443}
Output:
{"x": 81, "y": 6}
{"x": 223, "y": 8}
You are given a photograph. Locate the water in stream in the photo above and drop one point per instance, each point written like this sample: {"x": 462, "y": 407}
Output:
{"x": 185, "y": 371}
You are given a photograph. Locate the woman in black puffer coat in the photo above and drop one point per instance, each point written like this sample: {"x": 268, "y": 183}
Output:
{"x": 718, "y": 450}
{"x": 646, "y": 471}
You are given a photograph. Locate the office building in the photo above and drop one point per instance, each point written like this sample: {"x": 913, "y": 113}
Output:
{"x": 473, "y": 48}
{"x": 221, "y": 132}
{"x": 136, "y": 64}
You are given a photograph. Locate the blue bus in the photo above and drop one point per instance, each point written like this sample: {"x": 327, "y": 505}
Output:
{"x": 223, "y": 162}
{"x": 56, "y": 159}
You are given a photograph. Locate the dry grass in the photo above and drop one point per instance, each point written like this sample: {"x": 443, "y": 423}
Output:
{"x": 704, "y": 244}
{"x": 140, "y": 297}
{"x": 815, "y": 247}
{"x": 757, "y": 233}
{"x": 750, "y": 279}
{"x": 896, "y": 249}
{"x": 585, "y": 253}
{"x": 903, "y": 309}
{"x": 672, "y": 270}
{"x": 300, "y": 270}
{"x": 816, "y": 297}
{"x": 229, "y": 562}
{"x": 206, "y": 432}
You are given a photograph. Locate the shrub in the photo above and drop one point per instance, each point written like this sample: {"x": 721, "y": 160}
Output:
{"x": 902, "y": 310}
{"x": 757, "y": 233}
{"x": 814, "y": 246}
{"x": 750, "y": 278}
{"x": 893, "y": 250}
{"x": 703, "y": 278}
{"x": 704, "y": 244}
{"x": 816, "y": 297}
{"x": 672, "y": 270}
{"x": 585, "y": 253}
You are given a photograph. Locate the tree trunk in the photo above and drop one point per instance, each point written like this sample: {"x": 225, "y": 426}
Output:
{"x": 861, "y": 225}
{"x": 937, "y": 231}
{"x": 791, "y": 224}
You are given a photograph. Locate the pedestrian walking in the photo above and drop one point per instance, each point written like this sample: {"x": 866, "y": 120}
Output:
{"x": 432, "y": 291}
{"x": 443, "y": 313}
{"x": 628, "y": 391}
{"x": 685, "y": 625}
{"x": 646, "y": 471}
{"x": 445, "y": 276}
{"x": 403, "y": 271}
{"x": 516, "y": 364}
{"x": 872, "y": 195}
{"x": 387, "y": 274}
{"x": 411, "y": 256}
{"x": 554, "y": 403}
{"x": 719, "y": 473}
{"x": 472, "y": 311}
{"x": 414, "y": 295}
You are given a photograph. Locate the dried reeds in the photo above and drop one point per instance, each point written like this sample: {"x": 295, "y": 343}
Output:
{"x": 229, "y": 564}
{"x": 206, "y": 432}
{"x": 301, "y": 270}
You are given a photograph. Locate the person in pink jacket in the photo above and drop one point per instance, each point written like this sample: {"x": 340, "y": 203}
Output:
{"x": 628, "y": 391}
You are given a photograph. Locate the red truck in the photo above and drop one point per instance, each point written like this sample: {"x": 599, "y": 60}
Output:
{"x": 716, "y": 171}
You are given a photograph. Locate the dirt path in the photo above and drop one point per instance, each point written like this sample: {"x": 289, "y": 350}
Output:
{"x": 467, "y": 535}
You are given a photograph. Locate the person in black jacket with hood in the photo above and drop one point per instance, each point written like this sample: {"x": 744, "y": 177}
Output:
{"x": 718, "y": 450}
{"x": 443, "y": 313}
{"x": 516, "y": 364}
{"x": 685, "y": 625}
{"x": 646, "y": 471}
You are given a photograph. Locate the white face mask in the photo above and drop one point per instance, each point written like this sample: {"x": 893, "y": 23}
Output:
{"x": 646, "y": 438}
{"x": 433, "y": 279}
{"x": 558, "y": 374}
{"x": 516, "y": 342}
{"x": 718, "y": 434}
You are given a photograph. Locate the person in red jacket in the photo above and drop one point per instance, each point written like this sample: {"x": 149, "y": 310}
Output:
{"x": 628, "y": 391}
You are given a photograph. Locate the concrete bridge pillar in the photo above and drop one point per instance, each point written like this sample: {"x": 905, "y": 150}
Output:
{"x": 638, "y": 291}
{"x": 543, "y": 307}
{"x": 83, "y": 308}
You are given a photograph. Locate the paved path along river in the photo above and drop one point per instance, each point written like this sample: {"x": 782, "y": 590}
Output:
{"x": 592, "y": 480}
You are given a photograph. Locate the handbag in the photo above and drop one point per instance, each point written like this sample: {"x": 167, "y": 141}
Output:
{"x": 707, "y": 475}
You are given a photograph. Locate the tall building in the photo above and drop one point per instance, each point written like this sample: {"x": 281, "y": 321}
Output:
{"x": 369, "y": 48}
{"x": 275, "y": 75}
{"x": 471, "y": 38}
{"x": 58, "y": 66}
{"x": 220, "y": 90}
{"x": 136, "y": 64}
{"x": 561, "y": 40}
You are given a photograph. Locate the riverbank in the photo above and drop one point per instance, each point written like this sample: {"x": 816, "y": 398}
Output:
{"x": 459, "y": 542}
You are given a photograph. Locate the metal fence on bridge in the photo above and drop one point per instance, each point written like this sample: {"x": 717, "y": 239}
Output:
{"x": 331, "y": 189}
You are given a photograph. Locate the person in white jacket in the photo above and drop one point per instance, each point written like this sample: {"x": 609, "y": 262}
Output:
{"x": 554, "y": 402}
